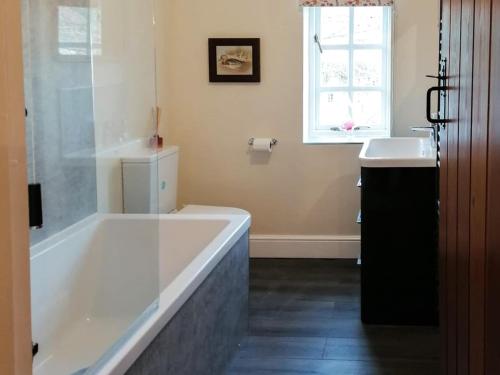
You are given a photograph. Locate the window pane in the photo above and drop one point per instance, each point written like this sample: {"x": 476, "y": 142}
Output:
{"x": 334, "y": 25}
{"x": 367, "y": 68}
{"x": 350, "y": 80}
{"x": 334, "y": 109}
{"x": 367, "y": 108}
{"x": 368, "y": 25}
{"x": 334, "y": 68}
{"x": 73, "y": 24}
{"x": 77, "y": 25}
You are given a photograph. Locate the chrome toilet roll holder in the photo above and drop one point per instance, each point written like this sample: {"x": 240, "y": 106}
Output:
{"x": 274, "y": 141}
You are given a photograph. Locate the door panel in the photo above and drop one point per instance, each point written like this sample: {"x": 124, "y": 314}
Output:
{"x": 15, "y": 327}
{"x": 493, "y": 206}
{"x": 463, "y": 183}
{"x": 470, "y": 182}
{"x": 450, "y": 178}
{"x": 443, "y": 193}
{"x": 479, "y": 144}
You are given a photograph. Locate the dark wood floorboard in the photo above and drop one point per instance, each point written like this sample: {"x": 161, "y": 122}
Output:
{"x": 305, "y": 319}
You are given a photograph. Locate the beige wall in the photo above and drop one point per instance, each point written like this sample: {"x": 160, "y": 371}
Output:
{"x": 415, "y": 55}
{"x": 300, "y": 189}
{"x": 15, "y": 324}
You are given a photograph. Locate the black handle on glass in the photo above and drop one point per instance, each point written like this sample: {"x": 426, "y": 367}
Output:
{"x": 35, "y": 206}
{"x": 429, "y": 99}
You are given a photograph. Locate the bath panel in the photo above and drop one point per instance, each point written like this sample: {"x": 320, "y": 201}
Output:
{"x": 206, "y": 331}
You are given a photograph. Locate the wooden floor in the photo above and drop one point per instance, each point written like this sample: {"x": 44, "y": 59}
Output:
{"x": 304, "y": 319}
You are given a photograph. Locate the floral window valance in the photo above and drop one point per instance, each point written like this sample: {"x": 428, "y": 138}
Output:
{"x": 345, "y": 3}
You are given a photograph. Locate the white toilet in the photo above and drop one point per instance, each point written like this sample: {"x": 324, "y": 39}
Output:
{"x": 150, "y": 182}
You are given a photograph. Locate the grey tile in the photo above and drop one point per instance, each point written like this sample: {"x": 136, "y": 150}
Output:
{"x": 60, "y": 128}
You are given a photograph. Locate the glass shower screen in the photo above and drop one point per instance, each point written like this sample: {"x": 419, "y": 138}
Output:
{"x": 91, "y": 104}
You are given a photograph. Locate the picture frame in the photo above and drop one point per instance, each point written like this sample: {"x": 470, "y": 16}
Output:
{"x": 234, "y": 59}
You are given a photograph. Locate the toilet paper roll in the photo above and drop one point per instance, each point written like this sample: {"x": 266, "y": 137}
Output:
{"x": 262, "y": 145}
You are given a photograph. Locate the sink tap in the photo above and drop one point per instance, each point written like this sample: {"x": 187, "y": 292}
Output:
{"x": 433, "y": 132}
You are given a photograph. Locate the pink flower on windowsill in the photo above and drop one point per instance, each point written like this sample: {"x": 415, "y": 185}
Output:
{"x": 348, "y": 125}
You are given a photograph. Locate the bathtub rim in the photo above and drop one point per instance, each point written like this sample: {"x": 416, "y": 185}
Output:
{"x": 42, "y": 247}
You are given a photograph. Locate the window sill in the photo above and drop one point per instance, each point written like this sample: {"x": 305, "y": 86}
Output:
{"x": 337, "y": 141}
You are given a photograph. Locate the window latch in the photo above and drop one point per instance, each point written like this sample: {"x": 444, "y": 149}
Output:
{"x": 361, "y": 127}
{"x": 316, "y": 40}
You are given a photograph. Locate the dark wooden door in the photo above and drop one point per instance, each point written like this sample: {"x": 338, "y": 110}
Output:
{"x": 470, "y": 185}
{"x": 492, "y": 287}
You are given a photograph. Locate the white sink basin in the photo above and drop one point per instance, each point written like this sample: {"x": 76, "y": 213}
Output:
{"x": 398, "y": 153}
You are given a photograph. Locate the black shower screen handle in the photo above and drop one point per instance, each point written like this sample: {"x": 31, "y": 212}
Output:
{"x": 35, "y": 206}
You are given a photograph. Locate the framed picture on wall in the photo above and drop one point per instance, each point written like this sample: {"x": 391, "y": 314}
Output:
{"x": 234, "y": 59}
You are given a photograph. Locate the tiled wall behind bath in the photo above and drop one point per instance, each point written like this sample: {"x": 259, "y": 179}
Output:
{"x": 60, "y": 122}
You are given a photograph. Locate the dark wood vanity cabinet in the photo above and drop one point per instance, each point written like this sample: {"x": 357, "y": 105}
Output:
{"x": 399, "y": 234}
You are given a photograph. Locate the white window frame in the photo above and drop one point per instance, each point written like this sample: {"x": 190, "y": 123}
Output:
{"x": 90, "y": 47}
{"x": 312, "y": 89}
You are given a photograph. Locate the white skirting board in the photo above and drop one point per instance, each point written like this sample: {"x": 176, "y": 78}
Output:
{"x": 289, "y": 246}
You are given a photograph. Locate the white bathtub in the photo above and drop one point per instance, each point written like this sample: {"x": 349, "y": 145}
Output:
{"x": 92, "y": 281}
